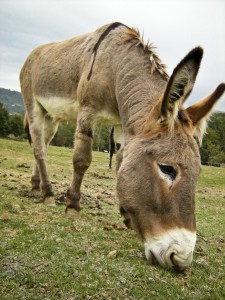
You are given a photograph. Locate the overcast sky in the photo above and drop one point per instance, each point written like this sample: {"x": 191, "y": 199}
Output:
{"x": 174, "y": 26}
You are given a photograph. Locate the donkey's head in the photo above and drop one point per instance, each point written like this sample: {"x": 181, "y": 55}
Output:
{"x": 158, "y": 175}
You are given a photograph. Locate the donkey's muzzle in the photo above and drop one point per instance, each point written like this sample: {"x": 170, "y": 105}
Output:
{"x": 171, "y": 250}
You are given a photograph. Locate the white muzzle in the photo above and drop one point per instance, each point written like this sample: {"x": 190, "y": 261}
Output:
{"x": 172, "y": 249}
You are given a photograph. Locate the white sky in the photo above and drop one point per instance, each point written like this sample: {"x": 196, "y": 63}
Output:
{"x": 174, "y": 26}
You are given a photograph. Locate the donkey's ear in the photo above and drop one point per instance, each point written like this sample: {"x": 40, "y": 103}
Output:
{"x": 200, "y": 112}
{"x": 180, "y": 84}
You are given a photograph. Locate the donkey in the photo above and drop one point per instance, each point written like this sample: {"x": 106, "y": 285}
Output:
{"x": 112, "y": 77}
{"x": 111, "y": 146}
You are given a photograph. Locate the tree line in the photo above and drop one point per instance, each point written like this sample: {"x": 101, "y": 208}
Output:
{"x": 212, "y": 149}
{"x": 12, "y": 125}
{"x": 213, "y": 146}
{"x": 65, "y": 137}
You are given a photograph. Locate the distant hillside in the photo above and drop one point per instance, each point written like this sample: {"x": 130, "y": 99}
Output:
{"x": 12, "y": 101}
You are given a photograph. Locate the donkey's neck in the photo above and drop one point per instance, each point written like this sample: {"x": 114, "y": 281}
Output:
{"x": 137, "y": 92}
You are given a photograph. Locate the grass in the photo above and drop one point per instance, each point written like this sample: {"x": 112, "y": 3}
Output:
{"x": 43, "y": 255}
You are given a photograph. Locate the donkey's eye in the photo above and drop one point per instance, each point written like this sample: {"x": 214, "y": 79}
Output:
{"x": 168, "y": 171}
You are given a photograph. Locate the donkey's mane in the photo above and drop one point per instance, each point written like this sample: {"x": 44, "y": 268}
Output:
{"x": 133, "y": 37}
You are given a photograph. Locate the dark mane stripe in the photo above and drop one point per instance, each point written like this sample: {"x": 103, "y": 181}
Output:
{"x": 133, "y": 36}
{"x": 102, "y": 37}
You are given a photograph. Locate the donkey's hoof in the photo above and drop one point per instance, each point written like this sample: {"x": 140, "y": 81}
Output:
{"x": 34, "y": 193}
{"x": 38, "y": 200}
{"x": 72, "y": 213}
{"x": 49, "y": 201}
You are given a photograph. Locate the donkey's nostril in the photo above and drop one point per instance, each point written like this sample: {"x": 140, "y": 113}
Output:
{"x": 172, "y": 257}
{"x": 174, "y": 264}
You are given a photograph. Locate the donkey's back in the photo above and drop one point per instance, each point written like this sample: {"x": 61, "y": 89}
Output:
{"x": 53, "y": 68}
{"x": 54, "y": 78}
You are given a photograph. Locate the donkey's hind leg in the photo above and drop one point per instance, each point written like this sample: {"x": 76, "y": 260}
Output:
{"x": 35, "y": 181}
{"x": 81, "y": 160}
{"x": 41, "y": 130}
{"x": 50, "y": 128}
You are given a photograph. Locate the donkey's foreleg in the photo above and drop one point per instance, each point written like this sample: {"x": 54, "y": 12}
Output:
{"x": 81, "y": 161}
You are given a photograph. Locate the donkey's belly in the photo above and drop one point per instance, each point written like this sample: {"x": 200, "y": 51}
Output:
{"x": 66, "y": 109}
{"x": 60, "y": 108}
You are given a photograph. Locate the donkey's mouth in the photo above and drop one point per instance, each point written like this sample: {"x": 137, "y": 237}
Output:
{"x": 170, "y": 263}
{"x": 178, "y": 261}
{"x": 171, "y": 250}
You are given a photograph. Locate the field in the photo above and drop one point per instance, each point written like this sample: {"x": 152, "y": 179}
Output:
{"x": 44, "y": 255}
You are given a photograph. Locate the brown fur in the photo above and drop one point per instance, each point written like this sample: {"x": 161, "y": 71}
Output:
{"x": 110, "y": 76}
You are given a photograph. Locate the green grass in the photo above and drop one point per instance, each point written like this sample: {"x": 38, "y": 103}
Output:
{"x": 44, "y": 255}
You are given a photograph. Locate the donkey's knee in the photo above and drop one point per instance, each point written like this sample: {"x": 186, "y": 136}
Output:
{"x": 82, "y": 153}
{"x": 81, "y": 164}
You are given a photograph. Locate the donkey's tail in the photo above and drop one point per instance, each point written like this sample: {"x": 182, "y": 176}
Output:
{"x": 26, "y": 128}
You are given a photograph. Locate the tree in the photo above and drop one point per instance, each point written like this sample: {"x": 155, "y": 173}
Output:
{"x": 4, "y": 121}
{"x": 217, "y": 123}
{"x": 64, "y": 136}
{"x": 101, "y": 138}
{"x": 16, "y": 125}
{"x": 213, "y": 146}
